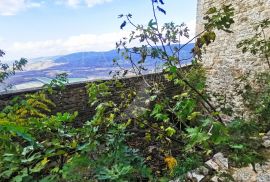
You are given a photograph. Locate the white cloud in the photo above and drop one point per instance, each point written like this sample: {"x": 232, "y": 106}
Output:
{"x": 89, "y": 3}
{"x": 192, "y": 27}
{"x": 34, "y": 4}
{"x": 12, "y": 7}
{"x": 73, "y": 3}
{"x": 84, "y": 42}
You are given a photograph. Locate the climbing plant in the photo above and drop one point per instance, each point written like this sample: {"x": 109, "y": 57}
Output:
{"x": 256, "y": 92}
{"x": 259, "y": 44}
{"x": 153, "y": 134}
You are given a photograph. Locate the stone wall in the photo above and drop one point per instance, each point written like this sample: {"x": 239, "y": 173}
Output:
{"x": 75, "y": 98}
{"x": 223, "y": 61}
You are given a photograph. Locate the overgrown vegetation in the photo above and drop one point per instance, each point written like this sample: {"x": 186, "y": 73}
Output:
{"x": 256, "y": 91}
{"x": 7, "y": 70}
{"x": 161, "y": 138}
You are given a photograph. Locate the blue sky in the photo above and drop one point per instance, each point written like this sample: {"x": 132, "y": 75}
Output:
{"x": 36, "y": 28}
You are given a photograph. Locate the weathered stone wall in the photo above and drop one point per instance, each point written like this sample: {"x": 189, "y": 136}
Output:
{"x": 223, "y": 61}
{"x": 225, "y": 64}
{"x": 75, "y": 97}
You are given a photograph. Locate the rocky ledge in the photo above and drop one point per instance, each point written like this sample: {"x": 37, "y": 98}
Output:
{"x": 217, "y": 169}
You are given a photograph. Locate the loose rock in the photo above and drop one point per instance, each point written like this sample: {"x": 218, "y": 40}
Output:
{"x": 218, "y": 162}
{"x": 263, "y": 177}
{"x": 266, "y": 140}
{"x": 194, "y": 176}
{"x": 198, "y": 174}
{"x": 245, "y": 174}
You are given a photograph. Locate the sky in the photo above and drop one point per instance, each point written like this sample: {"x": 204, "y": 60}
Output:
{"x": 40, "y": 28}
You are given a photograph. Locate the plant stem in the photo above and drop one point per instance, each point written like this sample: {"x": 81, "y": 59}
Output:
{"x": 178, "y": 73}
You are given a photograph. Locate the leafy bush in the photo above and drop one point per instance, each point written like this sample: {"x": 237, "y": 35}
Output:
{"x": 176, "y": 130}
{"x": 35, "y": 146}
{"x": 256, "y": 92}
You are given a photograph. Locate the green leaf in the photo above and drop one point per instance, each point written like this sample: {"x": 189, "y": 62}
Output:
{"x": 170, "y": 131}
{"x": 152, "y": 23}
{"x": 173, "y": 69}
{"x": 196, "y": 137}
{"x": 212, "y": 10}
{"x": 18, "y": 130}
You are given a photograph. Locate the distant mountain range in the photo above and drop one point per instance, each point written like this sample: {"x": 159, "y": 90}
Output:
{"x": 79, "y": 66}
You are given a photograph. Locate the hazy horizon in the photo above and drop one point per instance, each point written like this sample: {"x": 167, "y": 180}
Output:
{"x": 49, "y": 28}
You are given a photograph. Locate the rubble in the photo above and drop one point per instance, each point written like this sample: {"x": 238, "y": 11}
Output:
{"x": 266, "y": 140}
{"x": 218, "y": 162}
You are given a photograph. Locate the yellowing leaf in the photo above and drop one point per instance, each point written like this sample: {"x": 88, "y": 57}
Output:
{"x": 170, "y": 131}
{"x": 40, "y": 165}
{"x": 148, "y": 137}
{"x": 44, "y": 161}
{"x": 193, "y": 115}
{"x": 184, "y": 95}
{"x": 148, "y": 158}
{"x": 171, "y": 162}
{"x": 3, "y": 122}
{"x": 73, "y": 144}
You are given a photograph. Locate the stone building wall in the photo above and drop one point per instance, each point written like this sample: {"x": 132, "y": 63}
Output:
{"x": 223, "y": 61}
{"x": 75, "y": 97}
